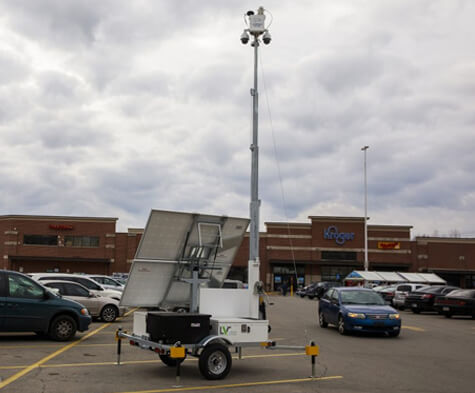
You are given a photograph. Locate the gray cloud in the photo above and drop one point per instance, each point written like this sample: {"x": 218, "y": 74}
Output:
{"x": 114, "y": 108}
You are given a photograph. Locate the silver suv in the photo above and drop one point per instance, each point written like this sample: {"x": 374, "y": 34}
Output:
{"x": 402, "y": 290}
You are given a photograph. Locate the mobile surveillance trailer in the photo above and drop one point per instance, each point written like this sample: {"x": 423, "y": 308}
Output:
{"x": 181, "y": 263}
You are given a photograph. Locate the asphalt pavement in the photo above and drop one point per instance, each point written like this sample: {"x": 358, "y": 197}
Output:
{"x": 432, "y": 354}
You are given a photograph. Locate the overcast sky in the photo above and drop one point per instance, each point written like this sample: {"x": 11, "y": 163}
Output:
{"x": 111, "y": 108}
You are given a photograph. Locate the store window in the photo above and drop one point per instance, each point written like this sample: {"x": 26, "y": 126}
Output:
{"x": 336, "y": 273}
{"x": 81, "y": 241}
{"x": 339, "y": 255}
{"x": 41, "y": 240}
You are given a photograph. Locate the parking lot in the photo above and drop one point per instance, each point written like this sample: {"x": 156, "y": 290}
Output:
{"x": 432, "y": 354}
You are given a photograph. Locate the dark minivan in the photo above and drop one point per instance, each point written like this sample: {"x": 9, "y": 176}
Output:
{"x": 26, "y": 306}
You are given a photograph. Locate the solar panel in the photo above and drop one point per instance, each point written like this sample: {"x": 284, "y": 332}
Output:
{"x": 171, "y": 245}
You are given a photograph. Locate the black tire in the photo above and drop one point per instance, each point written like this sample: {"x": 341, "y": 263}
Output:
{"x": 311, "y": 297}
{"x": 171, "y": 362}
{"x": 321, "y": 320}
{"x": 341, "y": 325}
{"x": 109, "y": 313}
{"x": 394, "y": 333}
{"x": 448, "y": 315}
{"x": 215, "y": 361}
{"x": 62, "y": 328}
{"x": 416, "y": 310}
{"x": 402, "y": 308}
{"x": 302, "y": 296}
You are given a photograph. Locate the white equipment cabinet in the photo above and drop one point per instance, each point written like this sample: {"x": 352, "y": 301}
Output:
{"x": 240, "y": 331}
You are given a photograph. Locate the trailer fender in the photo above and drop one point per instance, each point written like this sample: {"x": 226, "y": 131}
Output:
{"x": 213, "y": 340}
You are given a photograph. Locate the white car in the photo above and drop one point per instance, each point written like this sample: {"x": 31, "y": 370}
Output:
{"x": 89, "y": 283}
{"x": 98, "y": 306}
{"x": 107, "y": 282}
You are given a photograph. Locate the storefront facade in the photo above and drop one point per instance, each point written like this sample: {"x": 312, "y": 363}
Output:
{"x": 328, "y": 248}
{"x": 323, "y": 249}
{"x": 65, "y": 244}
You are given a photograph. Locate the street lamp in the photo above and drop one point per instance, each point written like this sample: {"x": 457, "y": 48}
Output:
{"x": 364, "y": 148}
{"x": 256, "y": 23}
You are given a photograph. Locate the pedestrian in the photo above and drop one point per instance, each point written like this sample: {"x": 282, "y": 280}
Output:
{"x": 284, "y": 288}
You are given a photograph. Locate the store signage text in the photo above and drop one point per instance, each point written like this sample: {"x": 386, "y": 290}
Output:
{"x": 331, "y": 233}
{"x": 389, "y": 245}
{"x": 61, "y": 227}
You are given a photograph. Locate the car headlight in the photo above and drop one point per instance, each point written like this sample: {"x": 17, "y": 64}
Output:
{"x": 394, "y": 316}
{"x": 84, "y": 311}
{"x": 356, "y": 315}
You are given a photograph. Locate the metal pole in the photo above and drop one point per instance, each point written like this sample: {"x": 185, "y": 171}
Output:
{"x": 366, "y": 263}
{"x": 255, "y": 203}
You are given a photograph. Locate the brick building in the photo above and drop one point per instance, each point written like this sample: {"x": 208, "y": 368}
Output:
{"x": 65, "y": 244}
{"x": 326, "y": 248}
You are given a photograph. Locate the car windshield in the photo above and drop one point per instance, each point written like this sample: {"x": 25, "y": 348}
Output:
{"x": 430, "y": 289}
{"x": 361, "y": 297}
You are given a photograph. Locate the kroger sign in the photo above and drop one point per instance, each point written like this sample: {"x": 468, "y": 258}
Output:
{"x": 331, "y": 233}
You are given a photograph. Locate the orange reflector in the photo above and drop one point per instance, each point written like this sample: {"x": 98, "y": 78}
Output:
{"x": 265, "y": 344}
{"x": 177, "y": 352}
{"x": 311, "y": 350}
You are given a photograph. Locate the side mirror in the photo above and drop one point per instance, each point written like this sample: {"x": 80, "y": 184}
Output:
{"x": 91, "y": 294}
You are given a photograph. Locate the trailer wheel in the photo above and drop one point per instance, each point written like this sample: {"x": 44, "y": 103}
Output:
{"x": 215, "y": 361}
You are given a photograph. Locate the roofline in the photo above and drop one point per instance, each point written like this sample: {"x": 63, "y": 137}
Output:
{"x": 336, "y": 218}
{"x": 57, "y": 218}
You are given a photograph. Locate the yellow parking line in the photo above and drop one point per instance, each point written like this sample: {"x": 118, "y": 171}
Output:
{"x": 61, "y": 365}
{"x": 25, "y": 371}
{"x": 415, "y": 328}
{"x": 235, "y": 385}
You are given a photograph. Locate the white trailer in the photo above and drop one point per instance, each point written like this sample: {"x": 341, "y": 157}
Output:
{"x": 181, "y": 262}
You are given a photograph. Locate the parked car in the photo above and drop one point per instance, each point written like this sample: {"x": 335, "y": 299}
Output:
{"x": 89, "y": 283}
{"x": 356, "y": 309}
{"x": 105, "y": 308}
{"x": 386, "y": 291}
{"x": 458, "y": 302}
{"x": 402, "y": 290}
{"x": 107, "y": 282}
{"x": 315, "y": 290}
{"x": 422, "y": 299}
{"x": 27, "y": 306}
{"x": 236, "y": 284}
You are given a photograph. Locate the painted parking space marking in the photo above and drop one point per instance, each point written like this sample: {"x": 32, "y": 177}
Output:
{"x": 35, "y": 365}
{"x": 414, "y": 328}
{"x": 113, "y": 363}
{"x": 236, "y": 385}
{"x": 42, "y": 361}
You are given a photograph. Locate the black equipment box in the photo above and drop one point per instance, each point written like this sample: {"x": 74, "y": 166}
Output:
{"x": 170, "y": 327}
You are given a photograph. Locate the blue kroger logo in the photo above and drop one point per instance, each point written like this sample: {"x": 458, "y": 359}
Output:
{"x": 331, "y": 233}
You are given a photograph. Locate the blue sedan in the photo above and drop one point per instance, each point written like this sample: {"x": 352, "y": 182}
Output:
{"x": 355, "y": 309}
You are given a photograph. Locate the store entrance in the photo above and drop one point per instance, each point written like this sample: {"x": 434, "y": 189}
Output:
{"x": 285, "y": 275}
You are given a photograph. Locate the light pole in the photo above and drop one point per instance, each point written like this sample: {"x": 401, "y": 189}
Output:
{"x": 364, "y": 148}
{"x": 256, "y": 28}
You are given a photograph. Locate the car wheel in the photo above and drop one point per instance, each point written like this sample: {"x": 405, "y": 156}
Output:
{"x": 416, "y": 310}
{"x": 215, "y": 361}
{"x": 311, "y": 297}
{"x": 401, "y": 308}
{"x": 63, "y": 328}
{"x": 321, "y": 320}
{"x": 169, "y": 361}
{"x": 394, "y": 333}
{"x": 109, "y": 313}
{"x": 447, "y": 315}
{"x": 341, "y": 325}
